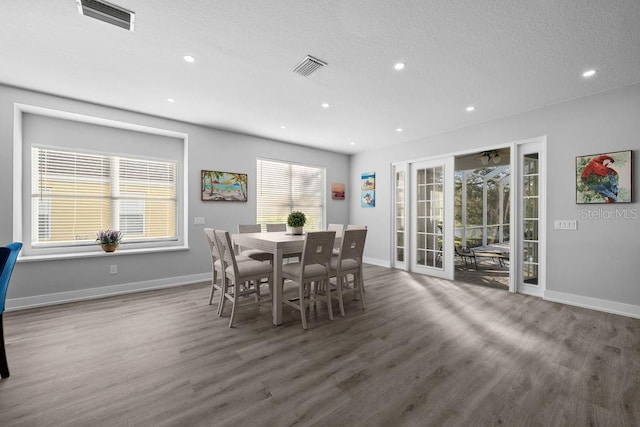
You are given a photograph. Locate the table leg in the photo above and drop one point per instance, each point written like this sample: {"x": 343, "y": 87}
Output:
{"x": 277, "y": 288}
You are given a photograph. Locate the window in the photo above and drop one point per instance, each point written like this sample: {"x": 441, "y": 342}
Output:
{"x": 74, "y": 194}
{"x": 284, "y": 187}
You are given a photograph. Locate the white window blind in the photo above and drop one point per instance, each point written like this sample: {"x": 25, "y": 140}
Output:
{"x": 75, "y": 194}
{"x": 285, "y": 187}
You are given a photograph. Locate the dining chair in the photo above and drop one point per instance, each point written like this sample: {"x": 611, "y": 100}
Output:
{"x": 271, "y": 227}
{"x": 338, "y": 228}
{"x": 256, "y": 254}
{"x": 313, "y": 268}
{"x": 239, "y": 279}
{"x": 216, "y": 265}
{"x": 356, "y": 227}
{"x": 349, "y": 262}
{"x": 8, "y": 257}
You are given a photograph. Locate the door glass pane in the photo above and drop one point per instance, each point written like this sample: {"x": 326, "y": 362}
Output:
{"x": 530, "y": 192}
{"x": 429, "y": 220}
{"x": 400, "y": 214}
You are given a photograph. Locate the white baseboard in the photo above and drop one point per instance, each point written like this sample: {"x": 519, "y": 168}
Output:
{"x": 14, "y": 304}
{"x": 607, "y": 306}
{"x": 101, "y": 292}
{"x": 378, "y": 262}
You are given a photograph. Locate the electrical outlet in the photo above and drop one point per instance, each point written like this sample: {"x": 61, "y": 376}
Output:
{"x": 113, "y": 269}
{"x": 198, "y": 220}
{"x": 565, "y": 224}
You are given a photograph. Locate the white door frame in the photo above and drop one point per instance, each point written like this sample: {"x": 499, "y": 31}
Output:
{"x": 447, "y": 270}
{"x": 517, "y": 150}
{"x": 533, "y": 145}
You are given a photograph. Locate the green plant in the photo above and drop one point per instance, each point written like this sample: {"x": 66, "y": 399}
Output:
{"x": 296, "y": 219}
{"x": 109, "y": 237}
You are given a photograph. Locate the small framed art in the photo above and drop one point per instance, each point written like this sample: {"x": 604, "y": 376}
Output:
{"x": 337, "y": 191}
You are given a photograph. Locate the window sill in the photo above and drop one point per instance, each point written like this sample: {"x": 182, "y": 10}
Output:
{"x": 94, "y": 254}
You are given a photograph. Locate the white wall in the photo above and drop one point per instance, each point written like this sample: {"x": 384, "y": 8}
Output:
{"x": 595, "y": 266}
{"x": 41, "y": 282}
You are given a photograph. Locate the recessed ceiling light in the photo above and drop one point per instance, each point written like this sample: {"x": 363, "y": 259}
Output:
{"x": 189, "y": 58}
{"x": 171, "y": 100}
{"x": 471, "y": 108}
{"x": 352, "y": 143}
{"x": 589, "y": 73}
{"x": 283, "y": 127}
{"x": 398, "y": 129}
{"x": 325, "y": 105}
{"x": 399, "y": 66}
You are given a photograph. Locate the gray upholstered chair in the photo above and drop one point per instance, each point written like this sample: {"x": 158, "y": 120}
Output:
{"x": 276, "y": 227}
{"x": 239, "y": 279}
{"x": 349, "y": 262}
{"x": 356, "y": 227}
{"x": 256, "y": 254}
{"x": 312, "y": 269}
{"x": 216, "y": 265}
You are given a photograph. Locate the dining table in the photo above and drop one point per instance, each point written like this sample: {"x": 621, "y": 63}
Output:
{"x": 279, "y": 244}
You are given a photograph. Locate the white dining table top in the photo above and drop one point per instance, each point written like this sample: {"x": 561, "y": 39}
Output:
{"x": 270, "y": 241}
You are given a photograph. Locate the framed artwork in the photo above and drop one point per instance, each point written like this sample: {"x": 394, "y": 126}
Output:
{"x": 368, "y": 190}
{"x": 368, "y": 199}
{"x": 337, "y": 191}
{"x": 604, "y": 178}
{"x": 223, "y": 186}
{"x": 368, "y": 181}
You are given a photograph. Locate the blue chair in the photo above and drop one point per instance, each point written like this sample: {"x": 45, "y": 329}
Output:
{"x": 8, "y": 257}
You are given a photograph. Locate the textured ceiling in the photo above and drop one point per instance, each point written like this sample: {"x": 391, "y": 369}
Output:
{"x": 503, "y": 57}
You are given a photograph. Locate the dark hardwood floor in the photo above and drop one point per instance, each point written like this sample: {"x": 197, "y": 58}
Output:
{"x": 425, "y": 352}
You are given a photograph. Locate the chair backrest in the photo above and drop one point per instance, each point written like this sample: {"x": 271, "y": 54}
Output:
{"x": 225, "y": 249}
{"x": 318, "y": 247}
{"x": 338, "y": 228}
{"x": 356, "y": 227}
{"x": 8, "y": 258}
{"x": 352, "y": 246}
{"x": 276, "y": 227}
{"x": 211, "y": 239}
{"x": 249, "y": 228}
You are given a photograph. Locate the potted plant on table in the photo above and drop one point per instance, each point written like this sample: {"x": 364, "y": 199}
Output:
{"x": 296, "y": 221}
{"x": 109, "y": 239}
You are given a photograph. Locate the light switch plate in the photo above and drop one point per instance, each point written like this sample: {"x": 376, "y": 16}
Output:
{"x": 566, "y": 224}
{"x": 198, "y": 220}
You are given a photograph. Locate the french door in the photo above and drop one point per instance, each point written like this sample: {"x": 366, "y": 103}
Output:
{"x": 530, "y": 243}
{"x": 431, "y": 231}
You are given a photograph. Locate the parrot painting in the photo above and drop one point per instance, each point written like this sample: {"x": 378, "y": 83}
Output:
{"x": 599, "y": 177}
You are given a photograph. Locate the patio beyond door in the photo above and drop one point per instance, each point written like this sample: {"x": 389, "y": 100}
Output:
{"x": 432, "y": 217}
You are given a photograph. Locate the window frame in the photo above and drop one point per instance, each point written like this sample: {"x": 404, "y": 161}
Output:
{"x": 322, "y": 185}
{"x": 22, "y": 217}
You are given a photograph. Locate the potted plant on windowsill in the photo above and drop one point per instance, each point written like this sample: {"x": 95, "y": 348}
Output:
{"x": 296, "y": 221}
{"x": 109, "y": 239}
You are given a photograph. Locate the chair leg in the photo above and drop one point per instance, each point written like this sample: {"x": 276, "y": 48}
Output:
{"x": 303, "y": 309}
{"x": 213, "y": 285}
{"x": 236, "y": 291}
{"x": 359, "y": 280}
{"x": 339, "y": 284}
{"x": 223, "y": 295}
{"x": 328, "y": 296}
{"x": 4, "y": 366}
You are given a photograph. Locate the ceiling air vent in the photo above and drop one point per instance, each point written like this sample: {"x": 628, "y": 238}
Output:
{"x": 308, "y": 65}
{"x": 107, "y": 12}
